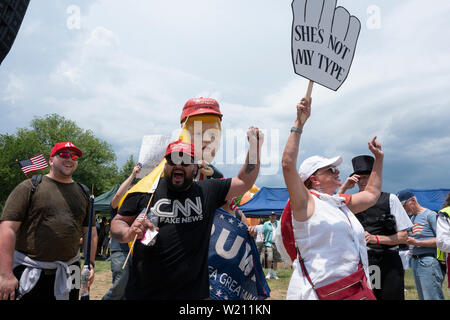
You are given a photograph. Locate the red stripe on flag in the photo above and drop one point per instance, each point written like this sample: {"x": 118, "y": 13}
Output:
{"x": 38, "y": 163}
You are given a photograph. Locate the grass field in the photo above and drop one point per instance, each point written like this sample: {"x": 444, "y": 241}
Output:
{"x": 278, "y": 287}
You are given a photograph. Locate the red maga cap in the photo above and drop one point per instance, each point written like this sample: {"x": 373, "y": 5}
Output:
{"x": 197, "y": 106}
{"x": 65, "y": 145}
{"x": 180, "y": 146}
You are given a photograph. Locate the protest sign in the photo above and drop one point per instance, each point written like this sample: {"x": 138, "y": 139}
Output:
{"x": 235, "y": 272}
{"x": 323, "y": 41}
{"x": 152, "y": 151}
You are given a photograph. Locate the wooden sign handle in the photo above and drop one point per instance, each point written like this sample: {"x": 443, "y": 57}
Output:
{"x": 309, "y": 90}
{"x": 307, "y": 97}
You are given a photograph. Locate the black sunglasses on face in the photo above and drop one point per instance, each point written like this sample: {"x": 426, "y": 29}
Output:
{"x": 182, "y": 162}
{"x": 68, "y": 155}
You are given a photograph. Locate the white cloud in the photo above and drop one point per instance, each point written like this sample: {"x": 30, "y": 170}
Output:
{"x": 14, "y": 89}
{"x": 102, "y": 37}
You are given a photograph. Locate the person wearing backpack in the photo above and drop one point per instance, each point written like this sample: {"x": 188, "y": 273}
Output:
{"x": 40, "y": 229}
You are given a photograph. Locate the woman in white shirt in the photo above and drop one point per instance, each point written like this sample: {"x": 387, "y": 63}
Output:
{"x": 329, "y": 238}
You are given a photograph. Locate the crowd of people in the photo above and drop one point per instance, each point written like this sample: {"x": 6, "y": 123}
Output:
{"x": 334, "y": 240}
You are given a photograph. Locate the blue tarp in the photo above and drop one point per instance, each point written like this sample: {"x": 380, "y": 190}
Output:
{"x": 432, "y": 199}
{"x": 266, "y": 201}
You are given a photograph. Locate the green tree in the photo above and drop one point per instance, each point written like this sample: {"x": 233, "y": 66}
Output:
{"x": 127, "y": 169}
{"x": 95, "y": 168}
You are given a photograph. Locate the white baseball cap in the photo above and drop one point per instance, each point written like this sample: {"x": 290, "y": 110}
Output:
{"x": 314, "y": 163}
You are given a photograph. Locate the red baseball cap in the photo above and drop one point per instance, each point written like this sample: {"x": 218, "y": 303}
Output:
{"x": 197, "y": 106}
{"x": 180, "y": 146}
{"x": 65, "y": 145}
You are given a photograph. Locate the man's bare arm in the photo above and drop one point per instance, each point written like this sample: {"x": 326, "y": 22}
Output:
{"x": 8, "y": 282}
{"x": 125, "y": 228}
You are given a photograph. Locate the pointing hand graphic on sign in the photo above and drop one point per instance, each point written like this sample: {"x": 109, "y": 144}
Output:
{"x": 323, "y": 41}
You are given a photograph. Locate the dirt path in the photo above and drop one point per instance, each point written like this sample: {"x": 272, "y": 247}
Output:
{"x": 102, "y": 283}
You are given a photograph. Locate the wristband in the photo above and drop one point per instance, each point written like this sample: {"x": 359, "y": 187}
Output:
{"x": 378, "y": 240}
{"x": 295, "y": 129}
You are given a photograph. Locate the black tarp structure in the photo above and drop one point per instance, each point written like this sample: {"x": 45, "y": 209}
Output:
{"x": 12, "y": 13}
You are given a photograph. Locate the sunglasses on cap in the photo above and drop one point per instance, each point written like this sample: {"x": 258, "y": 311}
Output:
{"x": 68, "y": 155}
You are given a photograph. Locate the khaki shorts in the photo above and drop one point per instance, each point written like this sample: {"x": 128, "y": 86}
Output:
{"x": 260, "y": 246}
{"x": 273, "y": 254}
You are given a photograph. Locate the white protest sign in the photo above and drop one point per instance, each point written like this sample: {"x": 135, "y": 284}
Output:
{"x": 153, "y": 149}
{"x": 323, "y": 41}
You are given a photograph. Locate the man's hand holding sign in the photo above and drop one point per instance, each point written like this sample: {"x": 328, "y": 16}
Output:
{"x": 323, "y": 42}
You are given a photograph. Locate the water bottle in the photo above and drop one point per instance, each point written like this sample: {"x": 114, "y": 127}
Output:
{"x": 150, "y": 236}
{"x": 154, "y": 219}
{"x": 84, "y": 290}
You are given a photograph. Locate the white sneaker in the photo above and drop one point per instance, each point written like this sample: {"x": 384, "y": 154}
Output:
{"x": 268, "y": 276}
{"x": 275, "y": 277}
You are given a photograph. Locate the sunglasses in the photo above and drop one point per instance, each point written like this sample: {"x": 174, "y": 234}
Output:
{"x": 182, "y": 162}
{"x": 331, "y": 170}
{"x": 68, "y": 155}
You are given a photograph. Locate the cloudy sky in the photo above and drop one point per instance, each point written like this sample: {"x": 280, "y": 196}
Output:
{"x": 125, "y": 69}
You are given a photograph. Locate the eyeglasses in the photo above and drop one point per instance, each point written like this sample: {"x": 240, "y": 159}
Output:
{"x": 68, "y": 155}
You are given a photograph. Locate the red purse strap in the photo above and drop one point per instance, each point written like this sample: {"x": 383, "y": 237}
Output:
{"x": 304, "y": 271}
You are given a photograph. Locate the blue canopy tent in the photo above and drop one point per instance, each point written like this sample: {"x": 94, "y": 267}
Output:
{"x": 432, "y": 199}
{"x": 266, "y": 201}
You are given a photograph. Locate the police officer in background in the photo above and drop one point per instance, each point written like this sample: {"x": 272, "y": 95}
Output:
{"x": 386, "y": 225}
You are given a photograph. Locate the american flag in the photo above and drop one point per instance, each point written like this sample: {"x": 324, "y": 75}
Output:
{"x": 33, "y": 164}
{"x": 417, "y": 228}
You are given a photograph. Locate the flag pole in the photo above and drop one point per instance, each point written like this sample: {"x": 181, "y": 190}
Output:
{"x": 85, "y": 273}
{"x": 135, "y": 237}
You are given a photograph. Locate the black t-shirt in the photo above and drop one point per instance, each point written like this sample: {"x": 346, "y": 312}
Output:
{"x": 176, "y": 266}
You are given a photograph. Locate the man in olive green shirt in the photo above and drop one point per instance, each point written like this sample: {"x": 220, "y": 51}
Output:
{"x": 35, "y": 234}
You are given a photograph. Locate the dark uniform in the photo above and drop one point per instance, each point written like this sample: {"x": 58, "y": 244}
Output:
{"x": 378, "y": 220}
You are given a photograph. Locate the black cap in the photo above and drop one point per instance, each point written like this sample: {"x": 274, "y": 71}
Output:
{"x": 362, "y": 164}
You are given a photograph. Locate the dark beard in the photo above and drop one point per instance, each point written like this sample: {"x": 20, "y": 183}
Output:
{"x": 178, "y": 188}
